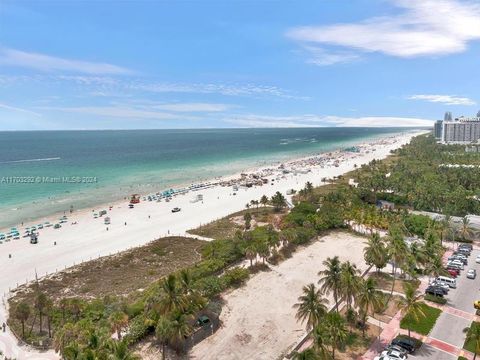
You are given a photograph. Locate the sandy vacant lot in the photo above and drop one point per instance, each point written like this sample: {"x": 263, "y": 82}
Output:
{"x": 258, "y": 319}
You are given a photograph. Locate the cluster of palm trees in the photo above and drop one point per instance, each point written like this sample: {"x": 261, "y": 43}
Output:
{"x": 42, "y": 308}
{"x": 411, "y": 259}
{"x": 329, "y": 328}
{"x": 174, "y": 310}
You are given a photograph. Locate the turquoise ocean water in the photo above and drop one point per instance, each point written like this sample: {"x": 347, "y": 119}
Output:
{"x": 45, "y": 172}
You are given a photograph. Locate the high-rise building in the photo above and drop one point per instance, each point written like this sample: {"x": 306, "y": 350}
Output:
{"x": 437, "y": 129}
{"x": 448, "y": 116}
{"x": 461, "y": 131}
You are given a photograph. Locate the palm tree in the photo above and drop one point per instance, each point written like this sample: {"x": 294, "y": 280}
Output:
{"x": 375, "y": 253}
{"x": 119, "y": 351}
{"x": 466, "y": 231}
{"x": 278, "y": 201}
{"x": 72, "y": 352}
{"x": 118, "y": 322}
{"x": 368, "y": 299}
{"x": 41, "y": 301}
{"x": 411, "y": 305}
{"x": 320, "y": 339}
{"x": 22, "y": 313}
{"x": 336, "y": 330}
{"x": 331, "y": 281}
{"x": 311, "y": 307}
{"x": 181, "y": 329}
{"x": 308, "y": 354}
{"x": 48, "y": 313}
{"x": 64, "y": 336}
{"x": 172, "y": 299}
{"x": 397, "y": 251}
{"x": 164, "y": 332}
{"x": 264, "y": 200}
{"x": 250, "y": 253}
{"x": 473, "y": 334}
{"x": 349, "y": 282}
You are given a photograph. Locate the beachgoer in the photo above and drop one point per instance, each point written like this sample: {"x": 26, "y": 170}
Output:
{"x": 125, "y": 223}
{"x": 107, "y": 228}
{"x": 4, "y": 327}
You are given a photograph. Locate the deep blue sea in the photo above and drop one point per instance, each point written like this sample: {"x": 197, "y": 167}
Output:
{"x": 44, "y": 172}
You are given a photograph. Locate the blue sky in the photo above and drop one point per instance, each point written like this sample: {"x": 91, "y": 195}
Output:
{"x": 237, "y": 63}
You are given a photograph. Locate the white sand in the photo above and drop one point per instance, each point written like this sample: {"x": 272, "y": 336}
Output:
{"x": 89, "y": 238}
{"x": 259, "y": 318}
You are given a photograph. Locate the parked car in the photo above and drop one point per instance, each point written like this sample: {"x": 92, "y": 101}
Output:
{"x": 466, "y": 246}
{"x": 435, "y": 291}
{"x": 440, "y": 284}
{"x": 382, "y": 357}
{"x": 456, "y": 262}
{"x": 477, "y": 259}
{"x": 471, "y": 274}
{"x": 405, "y": 342}
{"x": 397, "y": 348}
{"x": 392, "y": 354}
{"x": 175, "y": 209}
{"x": 453, "y": 272}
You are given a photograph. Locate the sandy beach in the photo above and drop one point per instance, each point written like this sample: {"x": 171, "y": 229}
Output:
{"x": 89, "y": 238}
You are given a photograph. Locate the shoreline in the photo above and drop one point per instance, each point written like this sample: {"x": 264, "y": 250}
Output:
{"x": 60, "y": 248}
{"x": 270, "y": 165}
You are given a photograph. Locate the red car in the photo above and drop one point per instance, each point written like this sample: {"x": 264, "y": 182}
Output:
{"x": 453, "y": 272}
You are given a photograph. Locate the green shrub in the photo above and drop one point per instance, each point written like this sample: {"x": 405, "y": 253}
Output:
{"x": 235, "y": 277}
{"x": 436, "y": 299}
{"x": 210, "y": 286}
{"x": 135, "y": 309}
{"x": 137, "y": 330}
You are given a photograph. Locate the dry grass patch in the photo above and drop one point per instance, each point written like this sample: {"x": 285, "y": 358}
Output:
{"x": 357, "y": 345}
{"x": 226, "y": 227}
{"x": 384, "y": 282}
{"x": 119, "y": 274}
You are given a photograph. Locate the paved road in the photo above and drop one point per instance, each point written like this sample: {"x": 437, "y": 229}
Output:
{"x": 449, "y": 327}
{"x": 428, "y": 352}
{"x": 467, "y": 290}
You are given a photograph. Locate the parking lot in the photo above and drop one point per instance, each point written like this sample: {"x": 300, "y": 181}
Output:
{"x": 449, "y": 326}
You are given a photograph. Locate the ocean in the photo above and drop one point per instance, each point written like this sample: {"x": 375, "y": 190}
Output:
{"x": 45, "y": 172}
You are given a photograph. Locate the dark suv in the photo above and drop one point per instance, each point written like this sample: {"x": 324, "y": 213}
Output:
{"x": 405, "y": 342}
{"x": 436, "y": 291}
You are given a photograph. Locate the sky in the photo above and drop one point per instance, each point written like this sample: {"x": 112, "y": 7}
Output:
{"x": 104, "y": 64}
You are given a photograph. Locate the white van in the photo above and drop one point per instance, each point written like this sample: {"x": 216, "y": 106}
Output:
{"x": 447, "y": 280}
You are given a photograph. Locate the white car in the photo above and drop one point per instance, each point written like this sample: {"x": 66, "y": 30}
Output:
{"x": 477, "y": 259}
{"x": 457, "y": 262}
{"x": 392, "y": 354}
{"x": 471, "y": 274}
{"x": 383, "y": 357}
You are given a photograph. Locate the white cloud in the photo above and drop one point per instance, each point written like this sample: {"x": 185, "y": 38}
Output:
{"x": 377, "y": 121}
{"x": 37, "y": 61}
{"x": 309, "y": 120}
{"x": 193, "y": 107}
{"x": 444, "y": 99}
{"x": 426, "y": 27}
{"x": 322, "y": 57}
{"x": 212, "y": 88}
{"x": 120, "y": 112}
{"x": 17, "y": 109}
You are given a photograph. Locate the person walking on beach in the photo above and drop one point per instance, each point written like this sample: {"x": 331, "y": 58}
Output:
{"x": 4, "y": 327}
